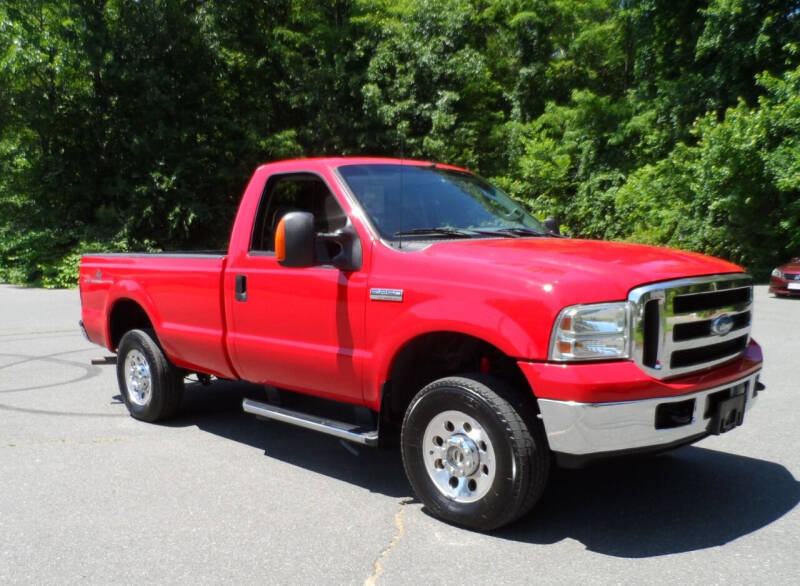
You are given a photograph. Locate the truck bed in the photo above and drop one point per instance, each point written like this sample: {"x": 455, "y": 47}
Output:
{"x": 181, "y": 292}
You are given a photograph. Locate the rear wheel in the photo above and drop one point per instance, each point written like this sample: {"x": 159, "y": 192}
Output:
{"x": 474, "y": 453}
{"x": 151, "y": 386}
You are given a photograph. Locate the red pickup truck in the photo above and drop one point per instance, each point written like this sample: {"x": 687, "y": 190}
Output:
{"x": 446, "y": 316}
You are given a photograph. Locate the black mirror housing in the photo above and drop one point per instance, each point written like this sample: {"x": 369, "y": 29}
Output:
{"x": 294, "y": 240}
{"x": 349, "y": 257}
{"x": 296, "y": 243}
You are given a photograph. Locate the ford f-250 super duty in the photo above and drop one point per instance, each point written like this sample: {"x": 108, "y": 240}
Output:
{"x": 447, "y": 317}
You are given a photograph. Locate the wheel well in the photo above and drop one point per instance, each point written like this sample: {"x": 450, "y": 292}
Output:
{"x": 439, "y": 354}
{"x": 126, "y": 315}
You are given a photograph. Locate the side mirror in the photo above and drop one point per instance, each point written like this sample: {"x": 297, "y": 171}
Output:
{"x": 349, "y": 256}
{"x": 552, "y": 225}
{"x": 294, "y": 240}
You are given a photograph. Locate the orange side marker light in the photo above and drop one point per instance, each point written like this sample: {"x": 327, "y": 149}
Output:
{"x": 280, "y": 241}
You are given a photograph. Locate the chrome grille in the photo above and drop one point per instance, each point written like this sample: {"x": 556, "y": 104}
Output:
{"x": 690, "y": 324}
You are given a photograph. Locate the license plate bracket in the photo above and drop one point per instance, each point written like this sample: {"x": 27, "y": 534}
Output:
{"x": 728, "y": 414}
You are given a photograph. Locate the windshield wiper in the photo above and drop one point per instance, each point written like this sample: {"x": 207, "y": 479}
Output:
{"x": 511, "y": 231}
{"x": 448, "y": 232}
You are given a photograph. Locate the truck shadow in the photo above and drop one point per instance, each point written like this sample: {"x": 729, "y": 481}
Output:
{"x": 691, "y": 499}
{"x": 217, "y": 409}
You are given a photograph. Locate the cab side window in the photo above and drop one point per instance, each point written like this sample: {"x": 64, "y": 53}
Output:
{"x": 298, "y": 192}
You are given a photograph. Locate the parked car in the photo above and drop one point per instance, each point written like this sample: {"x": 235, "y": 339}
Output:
{"x": 785, "y": 280}
{"x": 444, "y": 316}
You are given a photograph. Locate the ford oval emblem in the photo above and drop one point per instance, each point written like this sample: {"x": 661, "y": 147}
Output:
{"x": 722, "y": 325}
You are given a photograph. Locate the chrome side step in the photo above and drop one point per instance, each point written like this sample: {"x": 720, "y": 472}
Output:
{"x": 340, "y": 429}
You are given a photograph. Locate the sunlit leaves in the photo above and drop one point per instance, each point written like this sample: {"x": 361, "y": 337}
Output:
{"x": 136, "y": 124}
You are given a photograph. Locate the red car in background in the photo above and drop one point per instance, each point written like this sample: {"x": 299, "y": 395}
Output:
{"x": 785, "y": 280}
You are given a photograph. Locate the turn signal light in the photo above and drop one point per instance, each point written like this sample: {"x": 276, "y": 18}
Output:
{"x": 280, "y": 241}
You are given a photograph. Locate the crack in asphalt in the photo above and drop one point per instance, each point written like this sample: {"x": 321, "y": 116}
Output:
{"x": 65, "y": 413}
{"x": 40, "y": 333}
{"x": 401, "y": 531}
{"x": 55, "y": 442}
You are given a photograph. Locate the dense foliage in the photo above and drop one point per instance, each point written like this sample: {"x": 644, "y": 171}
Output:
{"x": 135, "y": 124}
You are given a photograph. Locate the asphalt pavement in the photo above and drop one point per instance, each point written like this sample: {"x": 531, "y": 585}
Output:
{"x": 90, "y": 495}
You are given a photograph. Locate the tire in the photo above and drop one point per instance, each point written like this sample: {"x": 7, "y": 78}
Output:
{"x": 151, "y": 386}
{"x": 475, "y": 454}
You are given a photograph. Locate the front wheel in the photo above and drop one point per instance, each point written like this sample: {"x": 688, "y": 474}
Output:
{"x": 151, "y": 386}
{"x": 474, "y": 453}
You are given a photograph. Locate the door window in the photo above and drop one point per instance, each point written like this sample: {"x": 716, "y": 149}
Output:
{"x": 298, "y": 192}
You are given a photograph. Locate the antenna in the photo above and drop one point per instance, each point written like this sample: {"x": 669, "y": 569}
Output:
{"x": 402, "y": 185}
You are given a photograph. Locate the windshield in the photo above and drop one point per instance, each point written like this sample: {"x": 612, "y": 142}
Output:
{"x": 408, "y": 202}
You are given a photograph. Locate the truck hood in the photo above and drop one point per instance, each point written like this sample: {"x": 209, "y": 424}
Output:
{"x": 588, "y": 270}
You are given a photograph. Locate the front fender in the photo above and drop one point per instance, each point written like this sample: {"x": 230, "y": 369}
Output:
{"x": 481, "y": 321}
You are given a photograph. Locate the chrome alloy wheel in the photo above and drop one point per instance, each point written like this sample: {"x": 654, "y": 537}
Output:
{"x": 138, "y": 380}
{"x": 459, "y": 456}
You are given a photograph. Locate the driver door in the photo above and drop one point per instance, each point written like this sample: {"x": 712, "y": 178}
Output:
{"x": 298, "y": 328}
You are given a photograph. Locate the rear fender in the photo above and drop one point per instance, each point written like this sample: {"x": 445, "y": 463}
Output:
{"x": 130, "y": 290}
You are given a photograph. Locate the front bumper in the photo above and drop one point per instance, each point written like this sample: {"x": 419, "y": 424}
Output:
{"x": 782, "y": 286}
{"x": 581, "y": 431}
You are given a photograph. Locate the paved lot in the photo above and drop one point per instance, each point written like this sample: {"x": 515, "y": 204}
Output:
{"x": 87, "y": 494}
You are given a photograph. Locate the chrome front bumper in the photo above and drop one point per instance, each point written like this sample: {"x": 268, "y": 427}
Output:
{"x": 582, "y": 429}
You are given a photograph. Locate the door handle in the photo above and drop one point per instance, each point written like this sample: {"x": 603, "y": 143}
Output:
{"x": 241, "y": 287}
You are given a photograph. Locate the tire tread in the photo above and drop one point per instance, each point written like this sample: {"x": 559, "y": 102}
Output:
{"x": 525, "y": 432}
{"x": 167, "y": 379}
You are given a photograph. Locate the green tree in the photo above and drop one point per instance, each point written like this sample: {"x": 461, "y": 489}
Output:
{"x": 135, "y": 125}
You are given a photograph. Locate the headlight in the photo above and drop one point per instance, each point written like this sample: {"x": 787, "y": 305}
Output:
{"x": 592, "y": 332}
{"x": 777, "y": 273}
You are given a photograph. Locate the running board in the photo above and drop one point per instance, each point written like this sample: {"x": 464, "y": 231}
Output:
{"x": 349, "y": 431}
